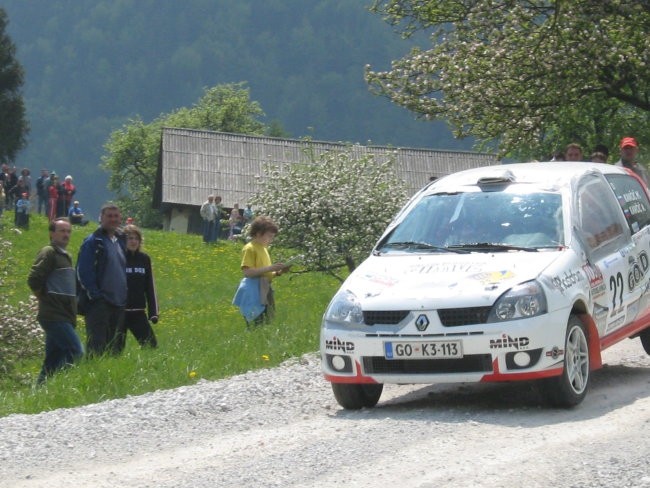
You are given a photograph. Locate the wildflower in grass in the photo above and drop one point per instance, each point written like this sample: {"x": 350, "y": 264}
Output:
{"x": 192, "y": 374}
{"x": 265, "y": 357}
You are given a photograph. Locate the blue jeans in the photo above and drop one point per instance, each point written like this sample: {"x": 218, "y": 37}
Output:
{"x": 209, "y": 231}
{"x": 62, "y": 347}
{"x": 42, "y": 203}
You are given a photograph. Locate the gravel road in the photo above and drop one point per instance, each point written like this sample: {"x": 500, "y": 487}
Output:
{"x": 282, "y": 428}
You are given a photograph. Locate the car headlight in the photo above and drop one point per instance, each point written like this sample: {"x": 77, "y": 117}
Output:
{"x": 345, "y": 307}
{"x": 522, "y": 301}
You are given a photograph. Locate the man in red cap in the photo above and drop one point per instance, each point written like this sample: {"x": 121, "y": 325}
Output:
{"x": 629, "y": 152}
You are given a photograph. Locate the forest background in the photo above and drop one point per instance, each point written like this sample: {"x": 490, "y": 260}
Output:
{"x": 93, "y": 65}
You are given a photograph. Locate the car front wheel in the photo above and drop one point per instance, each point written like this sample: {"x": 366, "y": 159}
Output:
{"x": 570, "y": 388}
{"x": 645, "y": 339}
{"x": 352, "y": 396}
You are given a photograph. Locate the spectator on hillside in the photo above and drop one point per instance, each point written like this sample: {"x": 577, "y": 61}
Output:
{"x": 52, "y": 280}
{"x": 76, "y": 214}
{"x": 17, "y": 191}
{"x": 220, "y": 213}
{"x": 11, "y": 180}
{"x": 101, "y": 269}
{"x": 141, "y": 302}
{"x": 602, "y": 148}
{"x": 234, "y": 221}
{"x": 573, "y": 152}
{"x": 53, "y": 196}
{"x": 23, "y": 205}
{"x": 629, "y": 153}
{"x": 254, "y": 296}
{"x": 208, "y": 213}
{"x": 26, "y": 178}
{"x": 2, "y": 199}
{"x": 598, "y": 157}
{"x": 248, "y": 214}
{"x": 41, "y": 191}
{"x": 64, "y": 201}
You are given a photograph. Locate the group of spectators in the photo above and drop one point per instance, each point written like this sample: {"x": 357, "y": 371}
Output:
{"x": 629, "y": 152}
{"x": 15, "y": 191}
{"x": 52, "y": 197}
{"x": 212, "y": 212}
{"x": 112, "y": 285}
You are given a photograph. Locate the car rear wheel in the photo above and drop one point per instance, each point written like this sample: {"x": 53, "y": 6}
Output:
{"x": 645, "y": 339}
{"x": 570, "y": 388}
{"x": 352, "y": 396}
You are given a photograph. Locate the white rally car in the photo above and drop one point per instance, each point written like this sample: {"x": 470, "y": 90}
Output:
{"x": 512, "y": 272}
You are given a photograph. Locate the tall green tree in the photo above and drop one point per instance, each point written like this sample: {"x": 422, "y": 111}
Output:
{"x": 13, "y": 124}
{"x": 132, "y": 152}
{"x": 332, "y": 208}
{"x": 526, "y": 76}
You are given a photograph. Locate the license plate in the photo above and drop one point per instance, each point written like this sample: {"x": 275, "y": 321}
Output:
{"x": 423, "y": 350}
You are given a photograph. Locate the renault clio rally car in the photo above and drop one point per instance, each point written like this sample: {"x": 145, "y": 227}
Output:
{"x": 503, "y": 273}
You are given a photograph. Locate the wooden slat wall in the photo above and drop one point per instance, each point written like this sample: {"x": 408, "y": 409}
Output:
{"x": 198, "y": 163}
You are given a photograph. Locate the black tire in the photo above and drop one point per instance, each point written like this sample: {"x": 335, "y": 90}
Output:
{"x": 354, "y": 396}
{"x": 570, "y": 388}
{"x": 645, "y": 339}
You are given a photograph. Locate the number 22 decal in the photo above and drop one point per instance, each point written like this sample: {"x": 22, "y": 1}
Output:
{"x": 616, "y": 287}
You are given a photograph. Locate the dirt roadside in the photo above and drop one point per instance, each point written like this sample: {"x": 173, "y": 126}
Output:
{"x": 282, "y": 427}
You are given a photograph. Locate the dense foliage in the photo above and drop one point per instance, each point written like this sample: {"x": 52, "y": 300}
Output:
{"x": 531, "y": 75}
{"x": 332, "y": 208}
{"x": 94, "y": 65}
{"x": 13, "y": 124}
{"x": 132, "y": 153}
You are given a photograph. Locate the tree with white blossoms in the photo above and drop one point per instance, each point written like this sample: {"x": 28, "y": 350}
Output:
{"x": 525, "y": 76}
{"x": 333, "y": 208}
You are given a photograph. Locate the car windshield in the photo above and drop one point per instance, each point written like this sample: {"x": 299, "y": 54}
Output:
{"x": 480, "y": 221}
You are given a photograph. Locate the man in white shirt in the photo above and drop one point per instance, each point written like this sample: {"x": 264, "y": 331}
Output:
{"x": 209, "y": 215}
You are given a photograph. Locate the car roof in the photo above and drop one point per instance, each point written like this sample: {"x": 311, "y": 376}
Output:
{"x": 552, "y": 175}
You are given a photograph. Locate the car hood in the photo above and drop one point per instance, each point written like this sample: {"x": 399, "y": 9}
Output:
{"x": 418, "y": 282}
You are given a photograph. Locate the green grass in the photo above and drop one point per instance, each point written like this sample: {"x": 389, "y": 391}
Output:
{"x": 200, "y": 334}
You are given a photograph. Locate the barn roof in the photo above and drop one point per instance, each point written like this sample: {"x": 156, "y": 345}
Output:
{"x": 196, "y": 163}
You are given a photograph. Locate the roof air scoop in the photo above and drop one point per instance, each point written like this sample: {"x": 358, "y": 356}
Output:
{"x": 503, "y": 178}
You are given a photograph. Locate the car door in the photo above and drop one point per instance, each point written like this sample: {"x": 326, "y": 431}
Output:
{"x": 610, "y": 250}
{"x": 635, "y": 205}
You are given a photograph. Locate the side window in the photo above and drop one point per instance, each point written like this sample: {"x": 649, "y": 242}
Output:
{"x": 600, "y": 223}
{"x": 633, "y": 201}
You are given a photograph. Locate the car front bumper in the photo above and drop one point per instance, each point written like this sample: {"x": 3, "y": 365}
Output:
{"x": 506, "y": 351}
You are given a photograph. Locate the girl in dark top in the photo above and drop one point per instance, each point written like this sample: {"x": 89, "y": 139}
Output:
{"x": 141, "y": 302}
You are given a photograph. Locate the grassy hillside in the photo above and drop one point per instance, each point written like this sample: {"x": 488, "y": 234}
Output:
{"x": 200, "y": 334}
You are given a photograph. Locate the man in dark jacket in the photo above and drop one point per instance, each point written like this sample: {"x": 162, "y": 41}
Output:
{"x": 52, "y": 280}
{"x": 101, "y": 271}
{"x": 41, "y": 190}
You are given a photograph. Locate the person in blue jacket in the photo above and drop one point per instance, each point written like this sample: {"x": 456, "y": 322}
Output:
{"x": 141, "y": 302}
{"x": 101, "y": 273}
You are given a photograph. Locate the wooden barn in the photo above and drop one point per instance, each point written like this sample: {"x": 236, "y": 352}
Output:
{"x": 195, "y": 163}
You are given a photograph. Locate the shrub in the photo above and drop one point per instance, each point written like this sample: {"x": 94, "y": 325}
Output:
{"x": 21, "y": 337}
